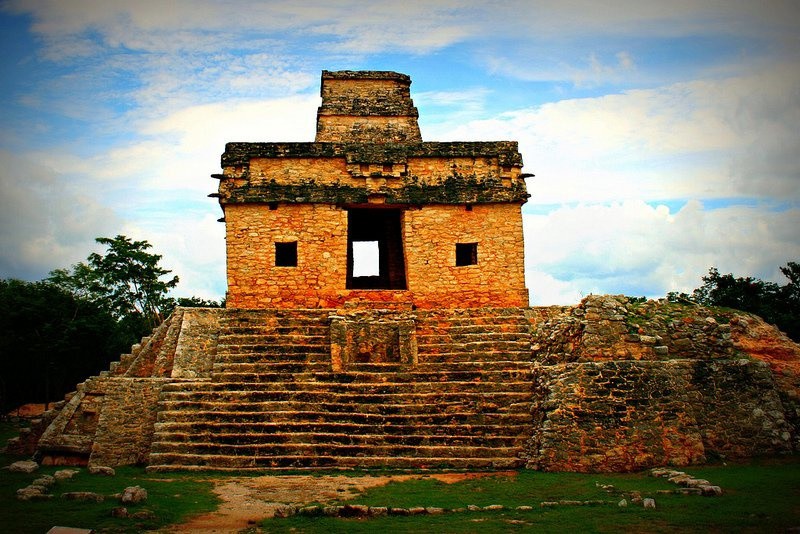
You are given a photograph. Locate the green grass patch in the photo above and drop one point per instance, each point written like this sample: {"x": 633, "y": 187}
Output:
{"x": 763, "y": 496}
{"x": 171, "y": 498}
{"x": 10, "y": 429}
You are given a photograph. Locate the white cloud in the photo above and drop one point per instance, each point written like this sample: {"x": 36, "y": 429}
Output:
{"x": 46, "y": 222}
{"x": 634, "y": 248}
{"x": 702, "y": 139}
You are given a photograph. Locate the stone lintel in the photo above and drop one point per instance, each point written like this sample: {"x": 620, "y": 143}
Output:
{"x": 366, "y": 75}
{"x": 452, "y": 191}
{"x": 507, "y": 152}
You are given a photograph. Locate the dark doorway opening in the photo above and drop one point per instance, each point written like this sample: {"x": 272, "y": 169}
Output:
{"x": 365, "y": 228}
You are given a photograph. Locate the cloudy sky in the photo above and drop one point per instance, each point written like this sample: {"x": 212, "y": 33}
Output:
{"x": 664, "y": 136}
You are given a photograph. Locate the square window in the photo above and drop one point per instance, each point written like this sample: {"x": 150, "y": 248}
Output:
{"x": 286, "y": 254}
{"x": 466, "y": 254}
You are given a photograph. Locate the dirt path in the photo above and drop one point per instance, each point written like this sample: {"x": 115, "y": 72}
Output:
{"x": 247, "y": 500}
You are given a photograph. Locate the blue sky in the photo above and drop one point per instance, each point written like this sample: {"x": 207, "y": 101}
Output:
{"x": 664, "y": 136}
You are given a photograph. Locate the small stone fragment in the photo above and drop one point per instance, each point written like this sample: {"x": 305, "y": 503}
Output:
{"x": 285, "y": 510}
{"x": 398, "y": 511}
{"x": 29, "y": 493}
{"x": 416, "y": 510}
{"x": 23, "y": 466}
{"x": 354, "y": 510}
{"x": 143, "y": 514}
{"x": 45, "y": 481}
{"x": 133, "y": 495}
{"x": 548, "y": 504}
{"x": 331, "y": 511}
{"x": 473, "y": 508}
{"x": 82, "y": 496}
{"x": 493, "y": 507}
{"x": 524, "y": 508}
{"x": 102, "y": 470}
{"x": 649, "y": 503}
{"x": 119, "y": 511}
{"x": 623, "y": 503}
{"x": 65, "y": 474}
{"x": 711, "y": 491}
{"x": 433, "y": 510}
{"x": 377, "y": 511}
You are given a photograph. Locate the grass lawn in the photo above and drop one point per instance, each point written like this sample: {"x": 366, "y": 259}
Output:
{"x": 170, "y": 498}
{"x": 762, "y": 496}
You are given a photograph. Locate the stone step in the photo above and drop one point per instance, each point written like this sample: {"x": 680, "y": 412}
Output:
{"x": 364, "y": 377}
{"x": 253, "y": 390}
{"x": 266, "y": 357}
{"x": 272, "y": 338}
{"x": 489, "y": 346}
{"x": 433, "y": 338}
{"x": 343, "y": 438}
{"x": 272, "y": 349}
{"x": 322, "y": 449}
{"x": 376, "y": 427}
{"x": 519, "y": 358}
{"x": 309, "y": 330}
{"x": 381, "y": 404}
{"x": 228, "y": 321}
{"x": 455, "y": 418}
{"x": 284, "y": 369}
{"x": 430, "y": 364}
{"x": 492, "y": 324}
{"x": 187, "y": 462}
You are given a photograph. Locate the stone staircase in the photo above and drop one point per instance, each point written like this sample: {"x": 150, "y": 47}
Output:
{"x": 273, "y": 401}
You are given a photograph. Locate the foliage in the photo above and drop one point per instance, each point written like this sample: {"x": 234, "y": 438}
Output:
{"x": 130, "y": 278}
{"x": 55, "y": 333}
{"x": 779, "y": 305}
{"x": 50, "y": 340}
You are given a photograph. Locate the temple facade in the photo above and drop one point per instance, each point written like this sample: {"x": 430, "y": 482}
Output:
{"x": 369, "y": 213}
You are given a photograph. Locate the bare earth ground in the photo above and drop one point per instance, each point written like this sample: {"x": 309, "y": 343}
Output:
{"x": 247, "y": 500}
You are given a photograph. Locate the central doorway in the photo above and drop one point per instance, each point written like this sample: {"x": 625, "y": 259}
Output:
{"x": 375, "y": 249}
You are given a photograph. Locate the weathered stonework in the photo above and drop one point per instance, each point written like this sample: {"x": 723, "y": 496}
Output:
{"x": 551, "y": 388}
{"x": 369, "y": 177}
{"x": 436, "y": 361}
{"x": 623, "y": 385}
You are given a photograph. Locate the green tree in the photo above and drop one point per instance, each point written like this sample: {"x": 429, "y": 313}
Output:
{"x": 776, "y": 304}
{"x": 50, "y": 340}
{"x": 127, "y": 279}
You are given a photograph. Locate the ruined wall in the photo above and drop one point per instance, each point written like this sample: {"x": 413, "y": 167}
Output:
{"x": 625, "y": 385}
{"x": 366, "y": 107}
{"x": 126, "y": 422}
{"x": 109, "y": 419}
{"x": 628, "y": 415}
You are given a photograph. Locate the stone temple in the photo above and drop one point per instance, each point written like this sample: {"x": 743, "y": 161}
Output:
{"x": 377, "y": 316}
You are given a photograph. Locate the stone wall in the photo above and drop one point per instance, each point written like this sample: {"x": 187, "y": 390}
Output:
{"x": 430, "y": 235}
{"x": 497, "y": 279}
{"x": 125, "y": 425}
{"x": 624, "y": 385}
{"x": 366, "y": 107}
{"x": 109, "y": 419}
{"x": 628, "y": 415}
{"x": 319, "y": 279}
